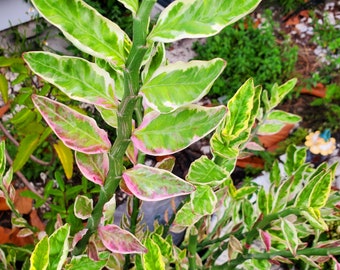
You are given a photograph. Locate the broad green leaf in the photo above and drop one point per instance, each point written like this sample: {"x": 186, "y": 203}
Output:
{"x": 203, "y": 200}
{"x": 59, "y": 247}
{"x": 40, "y": 256}
{"x": 77, "y": 131}
{"x": 86, "y": 29}
{"x": 204, "y": 171}
{"x": 185, "y": 217}
{"x": 180, "y": 84}
{"x": 9, "y": 61}
{"x": 77, "y": 78}
{"x": 66, "y": 158}
{"x": 94, "y": 167}
{"x": 152, "y": 184}
{"x": 270, "y": 128}
{"x": 262, "y": 201}
{"x": 83, "y": 207}
{"x": 277, "y": 92}
{"x": 131, "y": 5}
{"x": 26, "y": 148}
{"x": 156, "y": 59}
{"x": 316, "y": 222}
{"x": 163, "y": 134}
{"x": 4, "y": 88}
{"x": 153, "y": 258}
{"x": 108, "y": 115}
{"x": 283, "y": 116}
{"x": 120, "y": 241}
{"x": 321, "y": 191}
{"x": 2, "y": 158}
{"x": 290, "y": 235}
{"x": 85, "y": 263}
{"x": 198, "y": 18}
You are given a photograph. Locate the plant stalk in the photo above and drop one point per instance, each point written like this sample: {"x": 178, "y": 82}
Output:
{"x": 124, "y": 119}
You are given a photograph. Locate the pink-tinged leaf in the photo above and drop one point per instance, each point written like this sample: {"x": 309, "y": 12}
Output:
{"x": 165, "y": 134}
{"x": 153, "y": 184}
{"x": 337, "y": 264}
{"x": 266, "y": 239}
{"x": 92, "y": 251}
{"x": 78, "y": 236}
{"x": 120, "y": 241}
{"x": 94, "y": 167}
{"x": 79, "y": 132}
{"x": 254, "y": 146}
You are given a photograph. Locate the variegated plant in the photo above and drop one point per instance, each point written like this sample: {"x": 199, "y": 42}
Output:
{"x": 152, "y": 105}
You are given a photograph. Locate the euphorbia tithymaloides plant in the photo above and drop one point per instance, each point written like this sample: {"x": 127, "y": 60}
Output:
{"x": 152, "y": 105}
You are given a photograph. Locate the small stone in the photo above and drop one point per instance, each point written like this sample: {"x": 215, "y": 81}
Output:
{"x": 301, "y": 27}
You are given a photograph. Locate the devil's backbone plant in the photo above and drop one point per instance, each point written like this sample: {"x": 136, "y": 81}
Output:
{"x": 152, "y": 104}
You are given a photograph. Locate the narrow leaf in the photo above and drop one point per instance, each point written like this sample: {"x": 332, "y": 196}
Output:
{"x": 40, "y": 257}
{"x": 86, "y": 29}
{"x": 180, "y": 84}
{"x": 4, "y": 88}
{"x": 76, "y": 77}
{"x": 164, "y": 134}
{"x": 198, "y": 18}
{"x": 77, "y": 131}
{"x": 66, "y": 158}
{"x": 59, "y": 247}
{"x": 204, "y": 171}
{"x": 152, "y": 184}
{"x": 290, "y": 235}
{"x": 83, "y": 207}
{"x": 2, "y": 158}
{"x": 94, "y": 167}
{"x": 120, "y": 241}
{"x": 26, "y": 148}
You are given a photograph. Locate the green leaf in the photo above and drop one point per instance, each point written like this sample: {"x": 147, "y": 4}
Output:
{"x": 198, "y": 18}
{"x": 262, "y": 201}
{"x": 59, "y": 247}
{"x": 180, "y": 84}
{"x": 321, "y": 191}
{"x": 9, "y": 61}
{"x": 85, "y": 263}
{"x": 152, "y": 184}
{"x": 204, "y": 171}
{"x": 131, "y": 5}
{"x": 86, "y": 29}
{"x": 2, "y": 158}
{"x": 77, "y": 131}
{"x": 4, "y": 88}
{"x": 290, "y": 235}
{"x": 26, "y": 148}
{"x": 282, "y": 116}
{"x": 40, "y": 256}
{"x": 244, "y": 192}
{"x": 185, "y": 217}
{"x": 156, "y": 59}
{"x": 275, "y": 174}
{"x": 163, "y": 134}
{"x": 94, "y": 167}
{"x": 277, "y": 93}
{"x": 295, "y": 158}
{"x": 153, "y": 258}
{"x": 83, "y": 207}
{"x": 203, "y": 200}
{"x": 66, "y": 158}
{"x": 108, "y": 115}
{"x": 76, "y": 77}
{"x": 270, "y": 128}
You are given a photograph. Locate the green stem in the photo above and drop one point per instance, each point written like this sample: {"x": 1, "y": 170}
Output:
{"x": 124, "y": 119}
{"x": 192, "y": 246}
{"x": 283, "y": 253}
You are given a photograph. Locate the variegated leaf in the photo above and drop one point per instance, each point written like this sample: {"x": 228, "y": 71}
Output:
{"x": 120, "y": 241}
{"x": 163, "y": 134}
{"x": 79, "y": 132}
{"x": 180, "y": 84}
{"x": 86, "y": 29}
{"x": 108, "y": 115}
{"x": 153, "y": 184}
{"x": 76, "y": 77}
{"x": 131, "y": 5}
{"x": 198, "y": 18}
{"x": 83, "y": 207}
{"x": 59, "y": 247}
{"x": 94, "y": 167}
{"x": 203, "y": 200}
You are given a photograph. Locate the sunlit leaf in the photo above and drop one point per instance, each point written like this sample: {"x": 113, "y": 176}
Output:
{"x": 2, "y": 158}
{"x": 204, "y": 171}
{"x": 290, "y": 235}
{"x": 84, "y": 263}
{"x": 203, "y": 200}
{"x": 108, "y": 115}
{"x": 153, "y": 258}
{"x": 164, "y": 134}
{"x": 59, "y": 247}
{"x": 153, "y": 184}
{"x": 77, "y": 78}
{"x": 4, "y": 88}
{"x": 131, "y": 5}
{"x": 277, "y": 92}
{"x": 180, "y": 84}
{"x": 66, "y": 157}
{"x": 40, "y": 256}
{"x": 120, "y": 241}
{"x": 86, "y": 29}
{"x": 198, "y": 18}
{"x": 77, "y": 131}
{"x": 94, "y": 167}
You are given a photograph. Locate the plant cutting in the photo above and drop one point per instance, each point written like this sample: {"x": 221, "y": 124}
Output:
{"x": 152, "y": 104}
